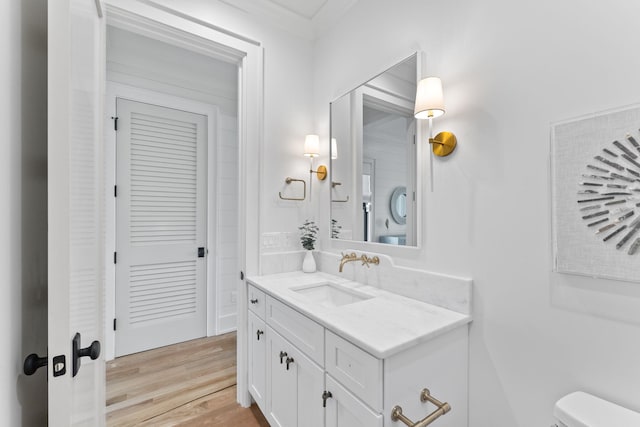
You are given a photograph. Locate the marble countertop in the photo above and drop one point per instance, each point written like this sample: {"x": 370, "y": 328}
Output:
{"x": 382, "y": 325}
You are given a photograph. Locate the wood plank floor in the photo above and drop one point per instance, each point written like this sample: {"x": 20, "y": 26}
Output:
{"x": 187, "y": 384}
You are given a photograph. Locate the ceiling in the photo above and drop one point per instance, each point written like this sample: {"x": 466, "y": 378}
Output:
{"x": 305, "y": 8}
{"x": 306, "y": 18}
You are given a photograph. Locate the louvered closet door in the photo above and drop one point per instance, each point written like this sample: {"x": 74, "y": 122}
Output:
{"x": 160, "y": 223}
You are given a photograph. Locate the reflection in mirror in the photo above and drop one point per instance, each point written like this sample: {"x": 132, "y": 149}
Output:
{"x": 374, "y": 131}
{"x": 398, "y": 205}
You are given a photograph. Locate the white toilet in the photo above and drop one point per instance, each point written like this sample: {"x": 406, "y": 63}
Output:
{"x": 580, "y": 409}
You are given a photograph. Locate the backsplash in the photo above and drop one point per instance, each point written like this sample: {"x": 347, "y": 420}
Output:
{"x": 280, "y": 253}
{"x": 451, "y": 292}
{"x": 280, "y": 242}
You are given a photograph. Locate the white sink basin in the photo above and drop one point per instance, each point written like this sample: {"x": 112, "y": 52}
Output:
{"x": 330, "y": 294}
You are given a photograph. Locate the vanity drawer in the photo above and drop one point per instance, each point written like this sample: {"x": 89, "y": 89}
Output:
{"x": 302, "y": 332}
{"x": 356, "y": 369}
{"x": 256, "y": 300}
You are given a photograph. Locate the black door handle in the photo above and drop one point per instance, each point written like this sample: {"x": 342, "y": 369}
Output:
{"x": 289, "y": 361}
{"x": 93, "y": 351}
{"x": 326, "y": 395}
{"x": 33, "y": 362}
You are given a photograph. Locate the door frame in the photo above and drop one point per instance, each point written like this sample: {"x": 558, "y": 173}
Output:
{"x": 113, "y": 92}
{"x": 172, "y": 26}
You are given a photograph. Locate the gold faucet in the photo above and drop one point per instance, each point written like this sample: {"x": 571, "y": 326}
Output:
{"x": 352, "y": 257}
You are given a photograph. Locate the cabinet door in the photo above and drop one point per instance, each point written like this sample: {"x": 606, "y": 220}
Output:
{"x": 310, "y": 378}
{"x": 282, "y": 383}
{"x": 346, "y": 410}
{"x": 295, "y": 394}
{"x": 257, "y": 359}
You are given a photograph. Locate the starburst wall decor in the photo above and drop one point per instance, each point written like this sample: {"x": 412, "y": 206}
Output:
{"x": 595, "y": 177}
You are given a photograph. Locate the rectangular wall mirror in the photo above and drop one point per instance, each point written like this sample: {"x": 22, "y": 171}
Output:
{"x": 374, "y": 166}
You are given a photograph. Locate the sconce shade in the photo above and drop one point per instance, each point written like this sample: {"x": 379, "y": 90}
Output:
{"x": 312, "y": 146}
{"x": 334, "y": 149}
{"x": 429, "y": 99}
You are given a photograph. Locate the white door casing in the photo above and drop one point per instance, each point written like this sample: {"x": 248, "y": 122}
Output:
{"x": 75, "y": 209}
{"x": 161, "y": 226}
{"x": 162, "y": 23}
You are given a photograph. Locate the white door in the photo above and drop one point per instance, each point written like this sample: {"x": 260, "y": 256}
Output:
{"x": 161, "y": 187}
{"x": 75, "y": 212}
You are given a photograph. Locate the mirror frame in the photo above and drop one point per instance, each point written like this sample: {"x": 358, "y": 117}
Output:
{"x": 421, "y": 167}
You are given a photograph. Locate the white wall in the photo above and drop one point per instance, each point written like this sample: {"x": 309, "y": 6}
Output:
{"x": 139, "y": 61}
{"x": 227, "y": 227}
{"x": 23, "y": 217}
{"x": 509, "y": 69}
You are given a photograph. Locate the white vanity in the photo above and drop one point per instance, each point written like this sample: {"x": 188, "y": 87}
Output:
{"x": 326, "y": 351}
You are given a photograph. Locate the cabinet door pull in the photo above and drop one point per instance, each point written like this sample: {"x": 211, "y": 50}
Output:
{"x": 254, "y": 301}
{"x": 258, "y": 333}
{"x": 283, "y": 354}
{"x": 326, "y": 395}
{"x": 289, "y": 360}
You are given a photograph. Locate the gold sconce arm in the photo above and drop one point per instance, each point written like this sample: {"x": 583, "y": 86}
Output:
{"x": 443, "y": 144}
{"x": 321, "y": 172}
{"x": 425, "y": 396}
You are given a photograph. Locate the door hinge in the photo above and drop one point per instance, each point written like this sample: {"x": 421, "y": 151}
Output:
{"x": 115, "y": 123}
{"x": 115, "y": 257}
{"x": 115, "y": 191}
{"x": 114, "y": 324}
{"x": 242, "y": 275}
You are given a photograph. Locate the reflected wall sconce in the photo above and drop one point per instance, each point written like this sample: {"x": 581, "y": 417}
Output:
{"x": 430, "y": 104}
{"x": 311, "y": 150}
{"x": 334, "y": 149}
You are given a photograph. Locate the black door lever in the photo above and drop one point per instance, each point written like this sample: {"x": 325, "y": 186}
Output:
{"x": 93, "y": 351}
{"x": 33, "y": 362}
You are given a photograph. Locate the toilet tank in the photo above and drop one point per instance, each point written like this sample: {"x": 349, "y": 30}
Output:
{"x": 580, "y": 409}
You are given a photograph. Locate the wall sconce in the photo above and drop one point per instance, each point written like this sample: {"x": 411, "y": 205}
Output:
{"x": 311, "y": 150}
{"x": 430, "y": 104}
{"x": 334, "y": 149}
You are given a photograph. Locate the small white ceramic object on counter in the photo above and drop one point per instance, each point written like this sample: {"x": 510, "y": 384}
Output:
{"x": 309, "y": 263}
{"x": 382, "y": 324}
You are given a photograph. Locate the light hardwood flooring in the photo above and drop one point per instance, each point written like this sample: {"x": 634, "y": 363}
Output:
{"x": 187, "y": 384}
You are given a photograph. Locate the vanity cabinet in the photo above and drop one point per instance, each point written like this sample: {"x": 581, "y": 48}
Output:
{"x": 307, "y": 365}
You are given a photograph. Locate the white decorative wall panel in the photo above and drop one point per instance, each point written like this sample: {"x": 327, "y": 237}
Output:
{"x": 596, "y": 195}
